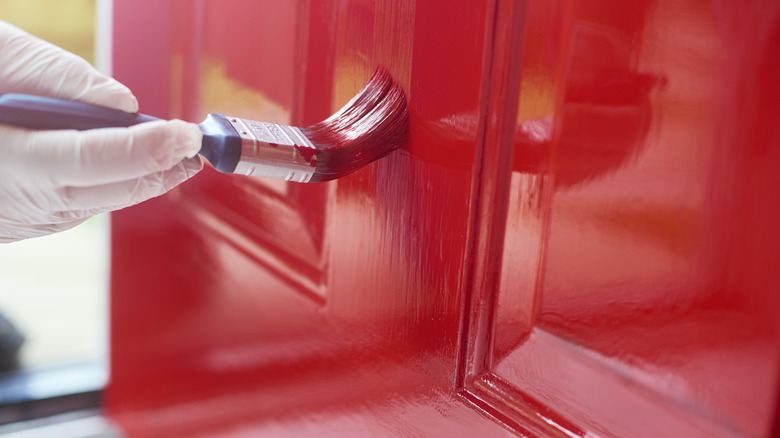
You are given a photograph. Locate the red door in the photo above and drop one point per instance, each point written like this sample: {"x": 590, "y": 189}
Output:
{"x": 579, "y": 238}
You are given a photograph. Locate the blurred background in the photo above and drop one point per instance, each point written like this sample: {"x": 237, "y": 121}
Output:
{"x": 54, "y": 290}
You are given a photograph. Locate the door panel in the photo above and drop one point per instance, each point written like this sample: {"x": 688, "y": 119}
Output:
{"x": 243, "y": 303}
{"x": 577, "y": 239}
{"x": 633, "y": 297}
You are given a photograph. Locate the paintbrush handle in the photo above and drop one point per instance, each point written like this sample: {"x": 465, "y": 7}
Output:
{"x": 221, "y": 143}
{"x": 37, "y": 112}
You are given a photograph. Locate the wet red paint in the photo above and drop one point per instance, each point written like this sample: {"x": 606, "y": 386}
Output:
{"x": 306, "y": 152}
{"x": 273, "y": 145}
{"x": 371, "y": 125}
{"x": 577, "y": 240}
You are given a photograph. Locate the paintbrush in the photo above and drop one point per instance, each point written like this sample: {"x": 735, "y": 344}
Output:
{"x": 369, "y": 127}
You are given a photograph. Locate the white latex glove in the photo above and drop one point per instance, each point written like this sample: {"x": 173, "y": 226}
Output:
{"x": 53, "y": 180}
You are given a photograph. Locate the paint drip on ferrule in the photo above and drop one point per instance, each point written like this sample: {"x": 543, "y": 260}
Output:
{"x": 274, "y": 151}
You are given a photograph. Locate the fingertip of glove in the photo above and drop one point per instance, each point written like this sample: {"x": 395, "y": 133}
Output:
{"x": 121, "y": 97}
{"x": 165, "y": 143}
{"x": 130, "y": 103}
{"x": 188, "y": 139}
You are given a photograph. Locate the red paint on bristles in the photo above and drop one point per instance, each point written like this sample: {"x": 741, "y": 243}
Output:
{"x": 370, "y": 126}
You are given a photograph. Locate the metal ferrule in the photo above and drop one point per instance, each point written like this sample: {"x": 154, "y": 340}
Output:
{"x": 274, "y": 151}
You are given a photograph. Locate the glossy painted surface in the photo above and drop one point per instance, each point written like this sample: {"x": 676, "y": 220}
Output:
{"x": 579, "y": 238}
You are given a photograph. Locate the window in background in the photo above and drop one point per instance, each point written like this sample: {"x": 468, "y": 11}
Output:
{"x": 54, "y": 289}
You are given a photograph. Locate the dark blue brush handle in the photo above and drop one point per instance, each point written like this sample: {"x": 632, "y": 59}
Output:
{"x": 221, "y": 143}
{"x": 39, "y": 112}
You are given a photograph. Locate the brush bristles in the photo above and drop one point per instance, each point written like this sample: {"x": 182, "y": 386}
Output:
{"x": 370, "y": 126}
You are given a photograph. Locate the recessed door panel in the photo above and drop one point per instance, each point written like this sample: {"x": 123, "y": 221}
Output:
{"x": 626, "y": 305}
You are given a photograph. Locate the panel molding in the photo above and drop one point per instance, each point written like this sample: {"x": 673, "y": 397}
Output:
{"x": 517, "y": 411}
{"x": 304, "y": 270}
{"x": 276, "y": 224}
{"x": 491, "y": 188}
{"x": 474, "y": 382}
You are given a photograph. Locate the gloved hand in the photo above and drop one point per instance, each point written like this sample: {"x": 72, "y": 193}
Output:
{"x": 53, "y": 180}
